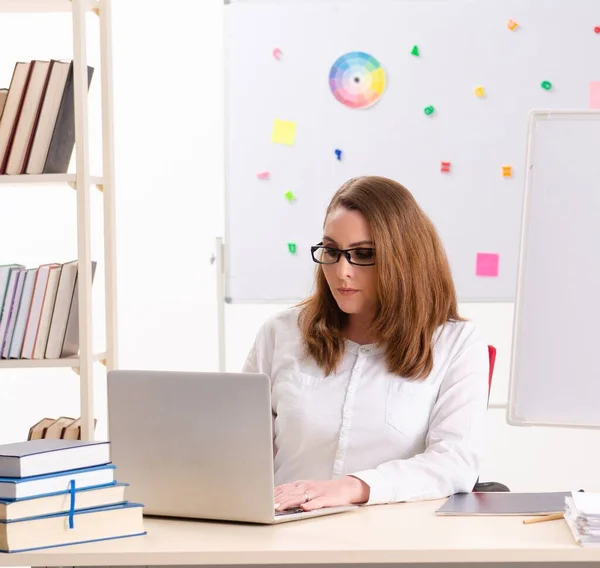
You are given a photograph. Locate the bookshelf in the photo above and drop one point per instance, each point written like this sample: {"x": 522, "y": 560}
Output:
{"x": 84, "y": 183}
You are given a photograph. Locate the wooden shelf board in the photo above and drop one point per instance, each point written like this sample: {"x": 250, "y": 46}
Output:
{"x": 45, "y": 363}
{"x": 41, "y": 6}
{"x": 45, "y": 178}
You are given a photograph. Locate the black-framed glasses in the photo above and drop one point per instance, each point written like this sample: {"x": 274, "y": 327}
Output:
{"x": 359, "y": 256}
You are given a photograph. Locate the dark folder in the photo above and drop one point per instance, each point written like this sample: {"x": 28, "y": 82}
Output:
{"x": 504, "y": 504}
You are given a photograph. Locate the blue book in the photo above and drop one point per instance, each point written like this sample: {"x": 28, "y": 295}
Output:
{"x": 39, "y": 457}
{"x": 64, "y": 501}
{"x": 13, "y": 488}
{"x": 78, "y": 527}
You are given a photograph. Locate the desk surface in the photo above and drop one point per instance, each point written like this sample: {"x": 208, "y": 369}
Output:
{"x": 399, "y": 533}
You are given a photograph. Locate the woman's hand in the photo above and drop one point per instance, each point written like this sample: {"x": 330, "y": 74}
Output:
{"x": 310, "y": 495}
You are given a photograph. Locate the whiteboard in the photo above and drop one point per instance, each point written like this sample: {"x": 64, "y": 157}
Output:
{"x": 463, "y": 44}
{"x": 554, "y": 373}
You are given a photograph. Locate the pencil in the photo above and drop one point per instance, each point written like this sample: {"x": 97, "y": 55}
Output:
{"x": 544, "y": 518}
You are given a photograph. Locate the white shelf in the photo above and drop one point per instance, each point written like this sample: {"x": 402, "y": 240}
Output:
{"x": 42, "y": 6}
{"x": 78, "y": 11}
{"x": 45, "y": 363}
{"x": 45, "y": 178}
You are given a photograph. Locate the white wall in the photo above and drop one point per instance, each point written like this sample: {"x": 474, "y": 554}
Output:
{"x": 169, "y": 121}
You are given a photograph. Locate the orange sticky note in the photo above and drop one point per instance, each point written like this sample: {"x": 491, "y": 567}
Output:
{"x": 506, "y": 171}
{"x": 595, "y": 94}
{"x": 487, "y": 264}
{"x": 512, "y": 25}
{"x": 284, "y": 132}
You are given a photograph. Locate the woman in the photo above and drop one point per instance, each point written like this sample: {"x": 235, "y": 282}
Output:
{"x": 379, "y": 388}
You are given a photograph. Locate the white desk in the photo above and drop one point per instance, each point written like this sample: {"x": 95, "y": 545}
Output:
{"x": 403, "y": 533}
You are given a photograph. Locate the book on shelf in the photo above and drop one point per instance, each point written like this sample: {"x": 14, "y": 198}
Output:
{"x": 15, "y": 301}
{"x": 37, "y": 122}
{"x": 35, "y": 311}
{"x": 43, "y": 327}
{"x": 38, "y": 430}
{"x": 12, "y": 108}
{"x": 39, "y": 311}
{"x": 8, "y": 283}
{"x": 56, "y": 429}
{"x": 16, "y": 342}
{"x": 63, "y": 336}
{"x": 25, "y": 125}
{"x": 71, "y": 431}
{"x": 57, "y": 134}
{"x": 43, "y": 504}
{"x": 3, "y": 95}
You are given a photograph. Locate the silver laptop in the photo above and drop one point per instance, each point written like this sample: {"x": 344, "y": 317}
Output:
{"x": 196, "y": 445}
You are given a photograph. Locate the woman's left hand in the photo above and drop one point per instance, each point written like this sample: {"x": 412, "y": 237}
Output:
{"x": 312, "y": 495}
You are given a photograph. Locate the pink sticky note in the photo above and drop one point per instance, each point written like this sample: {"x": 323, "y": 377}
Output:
{"x": 277, "y": 53}
{"x": 263, "y": 175}
{"x": 487, "y": 264}
{"x": 595, "y": 94}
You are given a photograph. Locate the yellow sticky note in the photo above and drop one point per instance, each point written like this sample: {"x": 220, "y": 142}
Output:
{"x": 479, "y": 92}
{"x": 284, "y": 132}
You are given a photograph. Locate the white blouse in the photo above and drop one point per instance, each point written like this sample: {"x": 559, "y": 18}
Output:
{"x": 408, "y": 440}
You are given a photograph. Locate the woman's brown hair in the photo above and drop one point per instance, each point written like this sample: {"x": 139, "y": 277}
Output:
{"x": 415, "y": 290}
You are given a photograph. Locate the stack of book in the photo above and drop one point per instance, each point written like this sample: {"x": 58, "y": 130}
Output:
{"x": 39, "y": 311}
{"x": 37, "y": 122}
{"x": 582, "y": 513}
{"x": 61, "y": 492}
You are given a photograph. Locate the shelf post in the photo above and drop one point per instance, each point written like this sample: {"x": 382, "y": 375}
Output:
{"x": 110, "y": 247}
{"x": 84, "y": 267}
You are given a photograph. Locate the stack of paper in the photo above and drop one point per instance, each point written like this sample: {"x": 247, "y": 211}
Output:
{"x": 582, "y": 513}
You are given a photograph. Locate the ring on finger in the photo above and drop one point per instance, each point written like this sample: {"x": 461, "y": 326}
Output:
{"x": 306, "y": 497}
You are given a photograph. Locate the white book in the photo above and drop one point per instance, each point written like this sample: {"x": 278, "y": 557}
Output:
{"x": 41, "y": 457}
{"x": 62, "y": 306}
{"x": 41, "y": 338}
{"x": 12, "y": 320}
{"x": 12, "y": 488}
{"x": 35, "y": 311}
{"x": 19, "y": 333}
{"x": 61, "y": 502}
{"x": 102, "y": 523}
